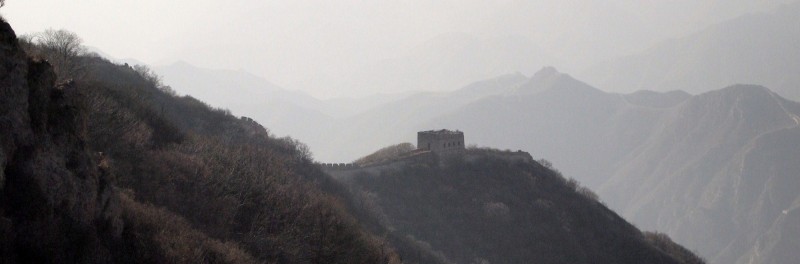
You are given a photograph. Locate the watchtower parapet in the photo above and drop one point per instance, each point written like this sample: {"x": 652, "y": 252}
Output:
{"x": 442, "y": 142}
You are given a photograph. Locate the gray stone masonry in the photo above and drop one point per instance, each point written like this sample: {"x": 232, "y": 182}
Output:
{"x": 441, "y": 142}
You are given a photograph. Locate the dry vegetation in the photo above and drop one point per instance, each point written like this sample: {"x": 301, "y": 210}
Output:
{"x": 110, "y": 166}
{"x": 386, "y": 154}
{"x": 498, "y": 210}
{"x": 181, "y": 182}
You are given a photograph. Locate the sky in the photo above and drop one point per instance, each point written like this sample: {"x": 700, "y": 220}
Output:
{"x": 315, "y": 46}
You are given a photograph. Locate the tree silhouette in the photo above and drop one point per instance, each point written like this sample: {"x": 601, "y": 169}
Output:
{"x": 61, "y": 48}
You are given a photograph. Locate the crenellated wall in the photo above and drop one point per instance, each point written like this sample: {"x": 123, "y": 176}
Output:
{"x": 339, "y": 166}
{"x": 430, "y": 144}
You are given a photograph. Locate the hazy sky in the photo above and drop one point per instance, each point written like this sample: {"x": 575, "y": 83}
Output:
{"x": 314, "y": 45}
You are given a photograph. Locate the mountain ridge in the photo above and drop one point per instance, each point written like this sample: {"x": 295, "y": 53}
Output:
{"x": 479, "y": 207}
{"x": 694, "y": 160}
{"x": 753, "y": 48}
{"x": 605, "y": 141}
{"x": 110, "y": 166}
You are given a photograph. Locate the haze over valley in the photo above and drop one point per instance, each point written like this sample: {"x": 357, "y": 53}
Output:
{"x": 412, "y": 132}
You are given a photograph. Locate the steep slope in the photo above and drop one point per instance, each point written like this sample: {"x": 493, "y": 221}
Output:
{"x": 113, "y": 167}
{"x": 43, "y": 147}
{"x": 668, "y": 161}
{"x": 244, "y": 92}
{"x": 717, "y": 175}
{"x": 752, "y": 49}
{"x": 247, "y": 94}
{"x": 285, "y": 112}
{"x": 489, "y": 209}
{"x": 225, "y": 175}
{"x": 227, "y": 87}
{"x": 58, "y": 199}
{"x": 772, "y": 162}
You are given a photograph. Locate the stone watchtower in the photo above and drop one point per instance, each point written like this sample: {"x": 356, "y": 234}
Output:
{"x": 442, "y": 142}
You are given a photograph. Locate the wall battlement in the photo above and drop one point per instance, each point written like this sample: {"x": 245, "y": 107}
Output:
{"x": 429, "y": 143}
{"x": 339, "y": 166}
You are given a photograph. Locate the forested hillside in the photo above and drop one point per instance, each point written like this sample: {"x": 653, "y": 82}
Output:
{"x": 488, "y": 209}
{"x": 109, "y": 166}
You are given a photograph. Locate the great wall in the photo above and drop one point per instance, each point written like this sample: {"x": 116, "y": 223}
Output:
{"x": 434, "y": 145}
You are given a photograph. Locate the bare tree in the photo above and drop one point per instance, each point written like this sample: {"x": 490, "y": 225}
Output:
{"x": 148, "y": 74}
{"x": 26, "y": 43}
{"x": 61, "y": 48}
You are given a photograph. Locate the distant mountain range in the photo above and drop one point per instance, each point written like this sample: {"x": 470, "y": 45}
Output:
{"x": 448, "y": 62}
{"x": 279, "y": 109}
{"x": 717, "y": 171}
{"x": 754, "y": 48}
{"x": 719, "y": 174}
{"x": 301, "y": 116}
{"x": 111, "y": 166}
{"x": 715, "y": 168}
{"x": 671, "y": 161}
{"x": 758, "y": 48}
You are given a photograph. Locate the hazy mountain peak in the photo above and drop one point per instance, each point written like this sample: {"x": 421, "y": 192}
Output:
{"x": 747, "y": 89}
{"x": 206, "y": 83}
{"x": 549, "y": 78}
{"x": 741, "y": 93}
{"x": 750, "y": 109}
{"x": 497, "y": 85}
{"x": 757, "y": 48}
{"x": 546, "y": 72}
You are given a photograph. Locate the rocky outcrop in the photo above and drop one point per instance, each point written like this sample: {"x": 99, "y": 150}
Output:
{"x": 56, "y": 204}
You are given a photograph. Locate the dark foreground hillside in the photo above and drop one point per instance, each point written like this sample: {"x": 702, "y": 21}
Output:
{"x": 102, "y": 163}
{"x": 110, "y": 167}
{"x": 491, "y": 209}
